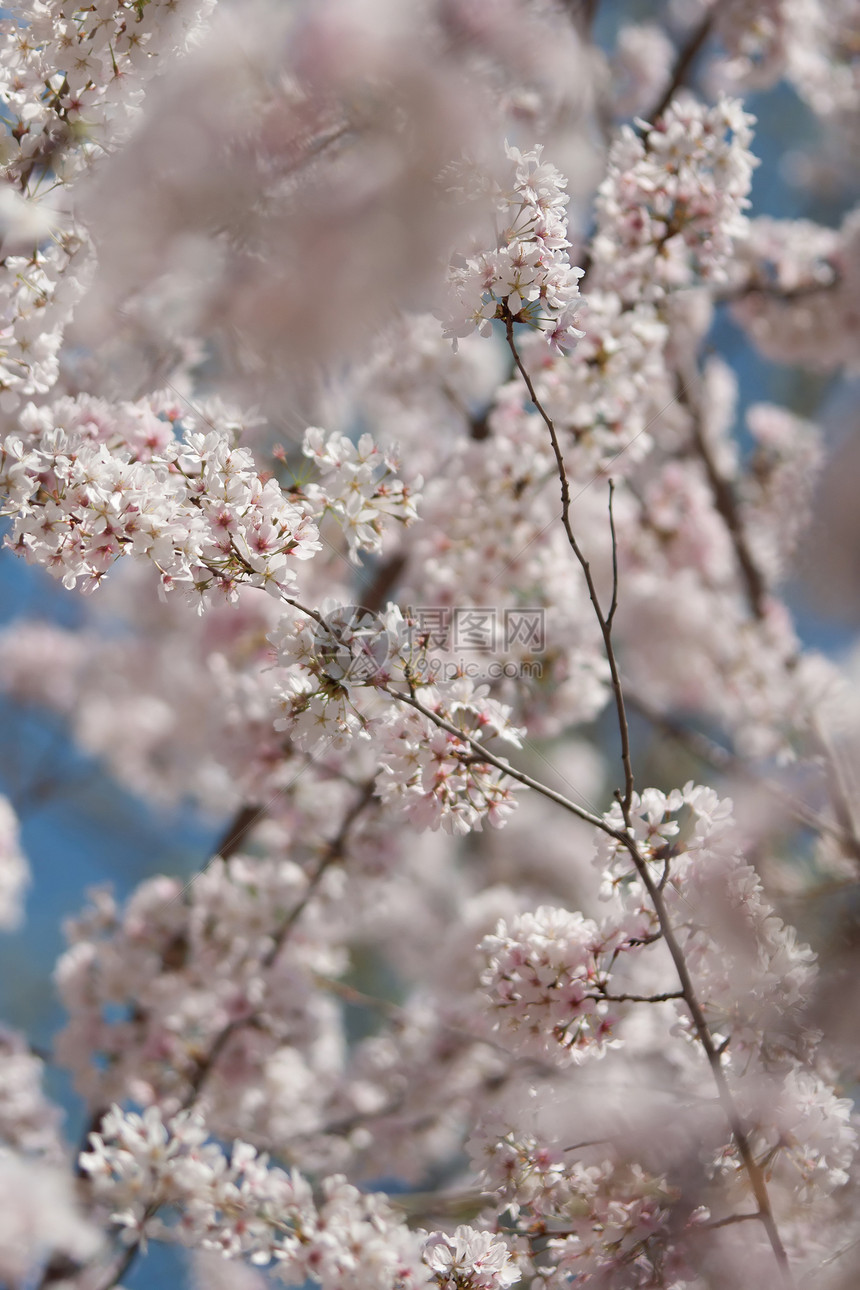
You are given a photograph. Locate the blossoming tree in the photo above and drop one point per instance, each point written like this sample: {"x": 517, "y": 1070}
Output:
{"x": 357, "y": 357}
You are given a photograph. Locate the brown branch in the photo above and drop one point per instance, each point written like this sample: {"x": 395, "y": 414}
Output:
{"x": 724, "y": 1222}
{"x": 604, "y": 621}
{"x": 770, "y": 291}
{"x": 640, "y": 998}
{"x": 626, "y": 837}
{"x": 687, "y": 55}
{"x": 613, "y": 606}
{"x": 128, "y": 1256}
{"x": 582, "y": 14}
{"x": 655, "y": 891}
{"x": 387, "y": 576}
{"x": 489, "y": 758}
{"x": 839, "y": 795}
{"x": 242, "y": 822}
{"x": 333, "y": 851}
{"x": 753, "y": 1169}
{"x": 727, "y": 506}
{"x": 331, "y": 854}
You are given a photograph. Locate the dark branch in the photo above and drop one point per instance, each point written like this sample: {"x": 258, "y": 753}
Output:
{"x": 687, "y": 55}
{"x": 656, "y": 894}
{"x": 727, "y": 506}
{"x": 604, "y": 621}
{"x": 242, "y": 822}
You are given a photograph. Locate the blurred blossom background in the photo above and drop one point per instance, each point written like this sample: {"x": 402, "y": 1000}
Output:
{"x": 271, "y": 213}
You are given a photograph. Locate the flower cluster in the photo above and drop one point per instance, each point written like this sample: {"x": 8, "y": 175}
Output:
{"x": 690, "y": 840}
{"x": 72, "y": 78}
{"x": 602, "y": 1215}
{"x": 155, "y": 987}
{"x": 351, "y": 674}
{"x": 546, "y": 977}
{"x": 623, "y": 1233}
{"x": 158, "y": 680}
{"x": 92, "y": 481}
{"x": 810, "y": 44}
{"x": 29, "y": 1123}
{"x": 807, "y": 1132}
{"x": 527, "y": 277}
{"x": 470, "y": 1260}
{"x": 671, "y": 207}
{"x": 329, "y": 664}
{"x": 753, "y": 1000}
{"x": 438, "y": 778}
{"x": 777, "y": 493}
{"x": 362, "y": 981}
{"x": 606, "y": 396}
{"x": 41, "y": 1220}
{"x": 71, "y": 74}
{"x": 241, "y": 1206}
{"x": 359, "y": 488}
{"x": 37, "y": 294}
{"x": 795, "y": 291}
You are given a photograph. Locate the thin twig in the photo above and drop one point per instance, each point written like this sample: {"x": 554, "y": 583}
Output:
{"x": 655, "y": 892}
{"x": 724, "y": 1222}
{"x": 604, "y": 621}
{"x": 641, "y": 998}
{"x": 332, "y": 853}
{"x": 490, "y": 758}
{"x": 614, "y": 603}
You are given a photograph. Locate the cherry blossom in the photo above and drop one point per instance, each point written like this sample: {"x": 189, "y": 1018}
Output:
{"x": 672, "y": 204}
{"x": 470, "y": 1258}
{"x": 542, "y": 579}
{"x": 527, "y": 277}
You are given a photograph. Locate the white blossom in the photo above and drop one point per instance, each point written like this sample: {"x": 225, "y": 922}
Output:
{"x": 527, "y": 277}
{"x": 470, "y": 1258}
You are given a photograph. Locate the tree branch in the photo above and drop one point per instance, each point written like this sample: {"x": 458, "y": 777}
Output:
{"x": 242, "y": 822}
{"x": 687, "y": 55}
{"x": 604, "y": 621}
{"x": 333, "y": 852}
{"x": 727, "y": 506}
{"x": 655, "y": 891}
